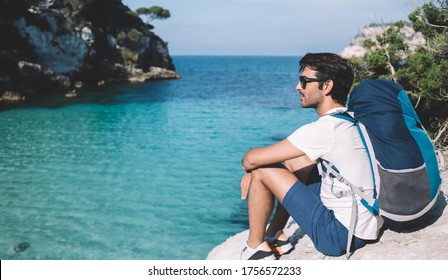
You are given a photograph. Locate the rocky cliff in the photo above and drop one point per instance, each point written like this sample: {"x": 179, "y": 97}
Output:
{"x": 61, "y": 46}
{"x": 356, "y": 46}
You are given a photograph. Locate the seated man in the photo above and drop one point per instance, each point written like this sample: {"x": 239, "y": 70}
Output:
{"x": 287, "y": 171}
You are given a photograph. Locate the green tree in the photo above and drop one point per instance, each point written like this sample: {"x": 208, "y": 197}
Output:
{"x": 152, "y": 13}
{"x": 385, "y": 55}
{"x": 426, "y": 71}
{"x": 431, "y": 19}
{"x": 423, "y": 72}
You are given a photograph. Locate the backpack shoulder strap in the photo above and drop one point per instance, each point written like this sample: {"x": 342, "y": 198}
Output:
{"x": 348, "y": 116}
{"x": 345, "y": 116}
{"x": 330, "y": 170}
{"x": 333, "y": 172}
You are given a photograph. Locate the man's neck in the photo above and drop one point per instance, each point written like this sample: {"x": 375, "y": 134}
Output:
{"x": 321, "y": 110}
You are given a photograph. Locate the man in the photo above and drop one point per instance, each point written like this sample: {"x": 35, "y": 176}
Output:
{"x": 287, "y": 171}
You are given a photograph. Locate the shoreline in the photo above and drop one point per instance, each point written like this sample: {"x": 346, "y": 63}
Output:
{"x": 422, "y": 239}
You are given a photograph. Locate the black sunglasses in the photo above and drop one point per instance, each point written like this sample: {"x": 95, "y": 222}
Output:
{"x": 304, "y": 79}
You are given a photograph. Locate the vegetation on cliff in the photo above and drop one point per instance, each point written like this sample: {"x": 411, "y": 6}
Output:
{"x": 52, "y": 46}
{"x": 423, "y": 71}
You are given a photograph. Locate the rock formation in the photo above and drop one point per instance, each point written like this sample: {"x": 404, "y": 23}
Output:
{"x": 356, "y": 47}
{"x": 60, "y": 46}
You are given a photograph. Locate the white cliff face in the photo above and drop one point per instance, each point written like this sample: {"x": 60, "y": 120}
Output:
{"x": 61, "y": 51}
{"x": 411, "y": 38}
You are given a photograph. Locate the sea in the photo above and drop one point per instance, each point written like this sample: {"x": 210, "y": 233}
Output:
{"x": 142, "y": 171}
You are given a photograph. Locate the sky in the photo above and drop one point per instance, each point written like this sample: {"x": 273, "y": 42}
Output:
{"x": 269, "y": 27}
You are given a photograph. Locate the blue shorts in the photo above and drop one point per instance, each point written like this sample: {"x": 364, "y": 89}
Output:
{"x": 304, "y": 205}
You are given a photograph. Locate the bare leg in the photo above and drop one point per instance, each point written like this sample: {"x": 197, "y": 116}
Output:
{"x": 301, "y": 167}
{"x": 279, "y": 220}
{"x": 267, "y": 182}
{"x": 260, "y": 205}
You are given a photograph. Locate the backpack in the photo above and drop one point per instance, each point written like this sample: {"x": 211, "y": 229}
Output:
{"x": 403, "y": 162}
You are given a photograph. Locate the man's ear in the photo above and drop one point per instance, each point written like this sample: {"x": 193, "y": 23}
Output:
{"x": 328, "y": 86}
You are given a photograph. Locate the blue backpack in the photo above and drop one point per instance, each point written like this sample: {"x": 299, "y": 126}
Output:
{"x": 403, "y": 162}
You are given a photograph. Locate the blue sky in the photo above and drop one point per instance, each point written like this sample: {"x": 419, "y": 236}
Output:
{"x": 269, "y": 27}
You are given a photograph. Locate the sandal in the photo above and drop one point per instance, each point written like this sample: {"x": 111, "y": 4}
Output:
{"x": 279, "y": 247}
{"x": 248, "y": 253}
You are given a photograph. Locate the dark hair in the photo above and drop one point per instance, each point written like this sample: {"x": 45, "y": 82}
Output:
{"x": 330, "y": 66}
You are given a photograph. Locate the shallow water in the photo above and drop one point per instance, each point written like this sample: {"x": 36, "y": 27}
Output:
{"x": 141, "y": 171}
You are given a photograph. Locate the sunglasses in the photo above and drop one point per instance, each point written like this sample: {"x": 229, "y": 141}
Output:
{"x": 304, "y": 80}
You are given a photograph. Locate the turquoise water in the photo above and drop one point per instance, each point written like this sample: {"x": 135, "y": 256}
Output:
{"x": 141, "y": 171}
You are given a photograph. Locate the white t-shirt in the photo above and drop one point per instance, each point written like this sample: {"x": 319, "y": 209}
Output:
{"x": 338, "y": 141}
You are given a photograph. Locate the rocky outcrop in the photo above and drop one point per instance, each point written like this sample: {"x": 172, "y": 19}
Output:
{"x": 356, "y": 47}
{"x": 61, "y": 46}
{"x": 59, "y": 51}
{"x": 154, "y": 73}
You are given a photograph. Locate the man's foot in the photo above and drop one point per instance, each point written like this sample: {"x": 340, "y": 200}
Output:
{"x": 279, "y": 244}
{"x": 258, "y": 253}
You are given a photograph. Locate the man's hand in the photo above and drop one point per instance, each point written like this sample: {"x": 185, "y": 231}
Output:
{"x": 245, "y": 185}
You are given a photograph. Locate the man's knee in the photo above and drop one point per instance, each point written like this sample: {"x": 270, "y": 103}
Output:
{"x": 275, "y": 178}
{"x": 267, "y": 171}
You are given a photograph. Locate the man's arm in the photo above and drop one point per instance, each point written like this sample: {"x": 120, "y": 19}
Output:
{"x": 275, "y": 153}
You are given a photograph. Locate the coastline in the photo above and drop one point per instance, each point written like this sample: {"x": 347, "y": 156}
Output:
{"x": 422, "y": 239}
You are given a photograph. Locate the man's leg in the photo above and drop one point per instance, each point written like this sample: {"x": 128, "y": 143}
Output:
{"x": 267, "y": 182}
{"x": 281, "y": 217}
{"x": 303, "y": 201}
{"x": 301, "y": 168}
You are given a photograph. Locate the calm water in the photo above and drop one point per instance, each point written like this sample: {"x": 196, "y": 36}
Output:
{"x": 141, "y": 171}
